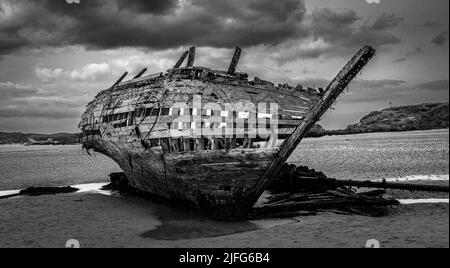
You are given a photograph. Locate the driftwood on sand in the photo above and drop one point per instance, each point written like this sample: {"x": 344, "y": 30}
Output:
{"x": 297, "y": 190}
{"x": 291, "y": 196}
{"x": 39, "y": 191}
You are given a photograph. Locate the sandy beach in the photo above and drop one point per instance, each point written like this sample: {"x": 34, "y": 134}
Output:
{"x": 112, "y": 221}
{"x": 99, "y": 220}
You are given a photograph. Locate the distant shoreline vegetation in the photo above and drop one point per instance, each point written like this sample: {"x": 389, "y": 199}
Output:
{"x": 40, "y": 139}
{"x": 427, "y": 116}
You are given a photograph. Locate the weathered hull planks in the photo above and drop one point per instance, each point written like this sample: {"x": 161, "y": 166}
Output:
{"x": 151, "y": 126}
{"x": 193, "y": 177}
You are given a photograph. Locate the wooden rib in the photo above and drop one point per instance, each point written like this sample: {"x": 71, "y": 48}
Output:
{"x": 191, "y": 57}
{"x": 182, "y": 58}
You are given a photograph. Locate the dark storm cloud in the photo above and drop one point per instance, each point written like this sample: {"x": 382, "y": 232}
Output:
{"x": 440, "y": 39}
{"x": 346, "y": 29}
{"x": 154, "y": 24}
{"x": 336, "y": 33}
{"x": 8, "y": 43}
{"x": 162, "y": 24}
{"x": 149, "y": 6}
{"x": 89, "y": 7}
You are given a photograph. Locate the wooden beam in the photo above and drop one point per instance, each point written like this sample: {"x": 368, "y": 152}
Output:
{"x": 235, "y": 61}
{"x": 141, "y": 73}
{"x": 378, "y": 185}
{"x": 191, "y": 58}
{"x": 180, "y": 61}
{"x": 120, "y": 79}
{"x": 345, "y": 76}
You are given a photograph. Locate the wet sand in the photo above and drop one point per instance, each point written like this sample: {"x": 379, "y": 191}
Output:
{"x": 376, "y": 156}
{"x": 112, "y": 221}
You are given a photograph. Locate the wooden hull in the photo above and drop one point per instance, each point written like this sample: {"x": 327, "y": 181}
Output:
{"x": 158, "y": 129}
{"x": 216, "y": 183}
{"x": 214, "y": 173}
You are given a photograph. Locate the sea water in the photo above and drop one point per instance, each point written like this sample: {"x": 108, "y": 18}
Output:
{"x": 26, "y": 166}
{"x": 402, "y": 156}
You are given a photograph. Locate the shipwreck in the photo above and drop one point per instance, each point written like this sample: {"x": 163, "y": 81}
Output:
{"x": 180, "y": 135}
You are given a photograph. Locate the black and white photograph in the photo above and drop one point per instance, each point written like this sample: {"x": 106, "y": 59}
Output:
{"x": 240, "y": 125}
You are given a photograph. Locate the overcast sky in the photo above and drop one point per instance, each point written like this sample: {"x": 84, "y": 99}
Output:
{"x": 55, "y": 57}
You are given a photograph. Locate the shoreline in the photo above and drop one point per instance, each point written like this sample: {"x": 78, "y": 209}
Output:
{"x": 27, "y": 145}
{"x": 307, "y": 138}
{"x": 96, "y": 187}
{"x": 387, "y": 132}
{"x": 382, "y": 132}
{"x": 310, "y": 137}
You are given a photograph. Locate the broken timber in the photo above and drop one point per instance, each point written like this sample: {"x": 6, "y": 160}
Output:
{"x": 299, "y": 189}
{"x": 235, "y": 61}
{"x": 345, "y": 76}
{"x": 182, "y": 58}
{"x": 120, "y": 79}
{"x": 338, "y": 201}
{"x": 378, "y": 185}
{"x": 191, "y": 57}
{"x": 141, "y": 73}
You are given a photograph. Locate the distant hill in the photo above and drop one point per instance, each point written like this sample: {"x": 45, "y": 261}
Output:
{"x": 22, "y": 138}
{"x": 317, "y": 131}
{"x": 425, "y": 116}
